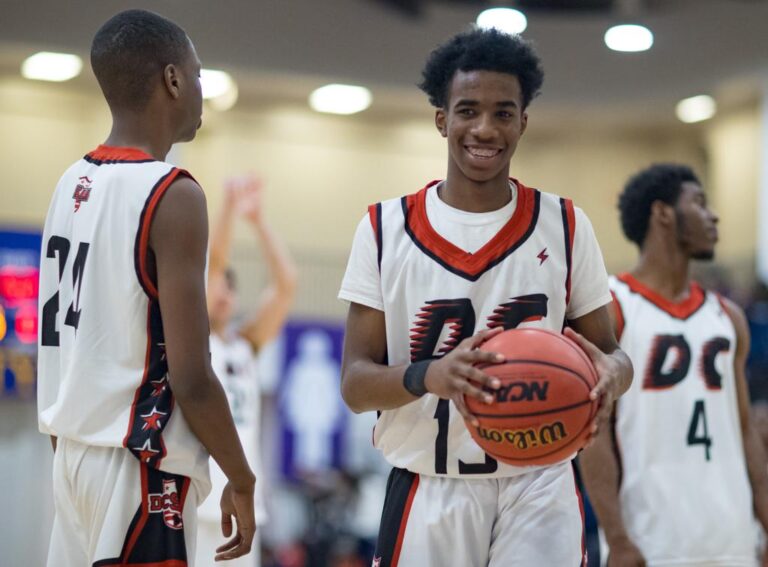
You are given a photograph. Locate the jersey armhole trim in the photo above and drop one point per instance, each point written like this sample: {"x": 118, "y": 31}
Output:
{"x": 374, "y": 213}
{"x": 569, "y": 231}
{"x": 619, "y": 329}
{"x": 145, "y": 223}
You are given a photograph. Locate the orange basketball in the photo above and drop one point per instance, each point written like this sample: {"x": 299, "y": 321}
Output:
{"x": 542, "y": 412}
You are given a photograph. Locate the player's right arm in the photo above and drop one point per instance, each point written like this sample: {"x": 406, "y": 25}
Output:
{"x": 178, "y": 239}
{"x": 367, "y": 382}
{"x": 600, "y": 468}
{"x": 601, "y": 472}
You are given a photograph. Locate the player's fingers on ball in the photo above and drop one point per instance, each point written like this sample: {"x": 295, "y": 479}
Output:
{"x": 586, "y": 345}
{"x": 474, "y": 392}
{"x": 486, "y": 334}
{"x": 464, "y": 411}
{"x": 482, "y": 378}
{"x": 482, "y": 356}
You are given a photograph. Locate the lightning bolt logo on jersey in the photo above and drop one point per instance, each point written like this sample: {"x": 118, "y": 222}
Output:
{"x": 436, "y": 294}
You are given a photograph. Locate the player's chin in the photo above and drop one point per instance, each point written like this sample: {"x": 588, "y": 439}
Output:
{"x": 707, "y": 254}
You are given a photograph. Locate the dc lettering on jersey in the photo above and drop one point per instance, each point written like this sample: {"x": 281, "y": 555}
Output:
{"x": 168, "y": 504}
{"x": 670, "y": 359}
{"x": 459, "y": 316}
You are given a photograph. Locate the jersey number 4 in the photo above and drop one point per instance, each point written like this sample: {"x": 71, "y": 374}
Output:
{"x": 58, "y": 247}
{"x": 459, "y": 316}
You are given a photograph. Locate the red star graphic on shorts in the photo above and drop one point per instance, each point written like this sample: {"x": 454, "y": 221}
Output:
{"x": 146, "y": 452}
{"x": 158, "y": 387}
{"x": 152, "y": 420}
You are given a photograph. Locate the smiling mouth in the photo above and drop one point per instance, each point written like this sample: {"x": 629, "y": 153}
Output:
{"x": 482, "y": 153}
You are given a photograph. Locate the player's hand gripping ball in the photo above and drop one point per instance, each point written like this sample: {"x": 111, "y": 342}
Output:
{"x": 542, "y": 412}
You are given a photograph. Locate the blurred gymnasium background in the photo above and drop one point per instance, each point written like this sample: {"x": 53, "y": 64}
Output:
{"x": 603, "y": 115}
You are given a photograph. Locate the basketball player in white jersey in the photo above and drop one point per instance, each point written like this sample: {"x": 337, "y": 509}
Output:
{"x": 434, "y": 274}
{"x": 234, "y": 350}
{"x": 126, "y": 390}
{"x": 678, "y": 477}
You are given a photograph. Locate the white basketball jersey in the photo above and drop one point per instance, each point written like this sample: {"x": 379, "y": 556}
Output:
{"x": 102, "y": 369}
{"x": 685, "y": 494}
{"x": 235, "y": 365}
{"x": 434, "y": 295}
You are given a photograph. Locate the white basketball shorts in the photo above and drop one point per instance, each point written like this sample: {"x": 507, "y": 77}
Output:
{"x": 111, "y": 509}
{"x": 532, "y": 520}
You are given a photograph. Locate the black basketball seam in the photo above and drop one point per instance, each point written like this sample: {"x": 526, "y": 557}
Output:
{"x": 542, "y": 412}
{"x": 542, "y": 362}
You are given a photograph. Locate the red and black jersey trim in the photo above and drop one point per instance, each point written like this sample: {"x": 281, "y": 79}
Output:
{"x": 105, "y": 155}
{"x": 155, "y": 536}
{"x": 679, "y": 310}
{"x": 153, "y": 401}
{"x": 619, "y": 314}
{"x": 141, "y": 245}
{"x": 569, "y": 230}
{"x": 374, "y": 212}
{"x": 578, "y": 484}
{"x": 401, "y": 490}
{"x": 471, "y": 266}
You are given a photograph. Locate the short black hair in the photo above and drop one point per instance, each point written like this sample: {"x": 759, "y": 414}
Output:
{"x": 482, "y": 50}
{"x": 129, "y": 53}
{"x": 659, "y": 182}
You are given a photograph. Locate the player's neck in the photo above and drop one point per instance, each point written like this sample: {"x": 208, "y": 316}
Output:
{"x": 137, "y": 131}
{"x": 665, "y": 269}
{"x": 475, "y": 197}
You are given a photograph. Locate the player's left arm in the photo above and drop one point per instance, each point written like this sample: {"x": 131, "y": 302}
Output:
{"x": 753, "y": 448}
{"x": 590, "y": 318}
{"x": 594, "y": 333}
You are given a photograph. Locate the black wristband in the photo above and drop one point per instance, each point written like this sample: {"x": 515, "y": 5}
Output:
{"x": 413, "y": 379}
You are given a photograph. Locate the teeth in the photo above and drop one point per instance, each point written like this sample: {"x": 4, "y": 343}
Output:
{"x": 483, "y": 152}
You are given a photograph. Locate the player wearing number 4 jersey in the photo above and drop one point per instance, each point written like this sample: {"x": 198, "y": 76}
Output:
{"x": 124, "y": 329}
{"x": 676, "y": 480}
{"x": 433, "y": 274}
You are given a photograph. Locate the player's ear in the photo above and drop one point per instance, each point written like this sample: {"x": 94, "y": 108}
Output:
{"x": 662, "y": 213}
{"x": 171, "y": 78}
{"x": 523, "y": 123}
{"x": 440, "y": 122}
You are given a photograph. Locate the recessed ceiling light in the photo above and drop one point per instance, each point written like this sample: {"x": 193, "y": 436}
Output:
{"x": 340, "y": 99}
{"x": 219, "y": 88}
{"x": 508, "y": 20}
{"x": 48, "y": 66}
{"x": 696, "y": 108}
{"x": 629, "y": 37}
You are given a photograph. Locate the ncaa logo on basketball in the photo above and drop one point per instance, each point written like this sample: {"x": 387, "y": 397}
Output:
{"x": 522, "y": 391}
{"x": 167, "y": 503}
{"x": 82, "y": 192}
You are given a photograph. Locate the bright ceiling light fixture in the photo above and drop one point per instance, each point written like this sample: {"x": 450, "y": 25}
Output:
{"x": 507, "y": 20}
{"x": 629, "y": 38}
{"x": 340, "y": 99}
{"x": 696, "y": 109}
{"x": 49, "y": 66}
{"x": 219, "y": 88}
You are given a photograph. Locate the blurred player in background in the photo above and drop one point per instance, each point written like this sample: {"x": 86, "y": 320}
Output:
{"x": 678, "y": 477}
{"x": 126, "y": 389}
{"x": 234, "y": 350}
{"x": 434, "y": 274}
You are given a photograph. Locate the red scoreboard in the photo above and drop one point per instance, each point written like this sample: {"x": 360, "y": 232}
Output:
{"x": 19, "y": 275}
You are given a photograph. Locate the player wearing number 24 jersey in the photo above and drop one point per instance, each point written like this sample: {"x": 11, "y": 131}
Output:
{"x": 433, "y": 274}
{"x": 677, "y": 478}
{"x": 123, "y": 345}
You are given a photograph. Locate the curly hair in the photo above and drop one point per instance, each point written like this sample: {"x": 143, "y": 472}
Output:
{"x": 130, "y": 50}
{"x": 482, "y": 50}
{"x": 659, "y": 182}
